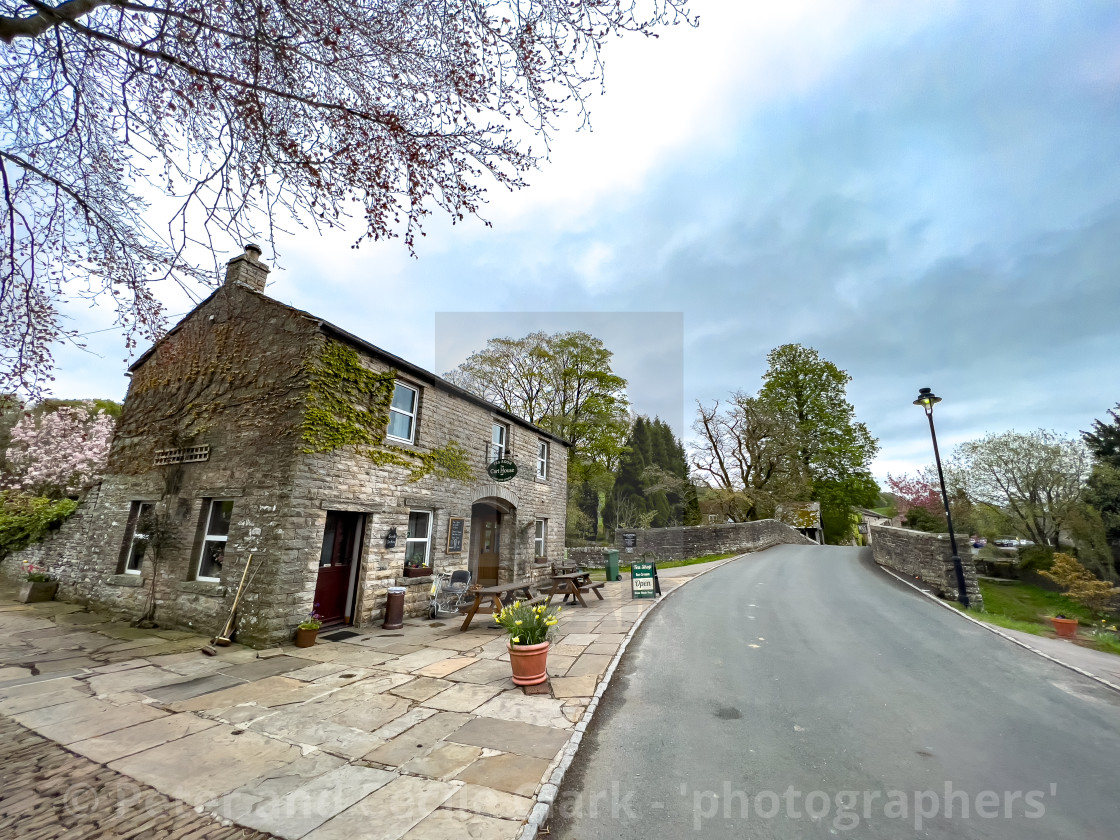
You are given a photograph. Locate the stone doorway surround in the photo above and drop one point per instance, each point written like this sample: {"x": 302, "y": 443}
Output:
{"x": 494, "y": 498}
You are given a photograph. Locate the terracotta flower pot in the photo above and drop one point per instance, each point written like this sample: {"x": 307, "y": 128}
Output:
{"x": 305, "y": 638}
{"x": 529, "y": 663}
{"x": 1065, "y": 627}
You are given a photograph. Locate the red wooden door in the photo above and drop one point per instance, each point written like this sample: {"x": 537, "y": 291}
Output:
{"x": 342, "y": 539}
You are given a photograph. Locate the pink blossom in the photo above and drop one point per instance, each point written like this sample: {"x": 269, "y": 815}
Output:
{"x": 920, "y": 491}
{"x": 63, "y": 453}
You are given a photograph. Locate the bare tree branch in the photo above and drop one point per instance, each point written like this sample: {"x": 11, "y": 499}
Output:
{"x": 255, "y": 114}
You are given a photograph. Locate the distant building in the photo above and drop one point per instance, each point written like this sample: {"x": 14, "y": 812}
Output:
{"x": 804, "y": 517}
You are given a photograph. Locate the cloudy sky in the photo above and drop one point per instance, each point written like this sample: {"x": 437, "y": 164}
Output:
{"x": 928, "y": 193}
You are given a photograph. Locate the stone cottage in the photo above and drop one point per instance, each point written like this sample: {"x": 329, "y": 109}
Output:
{"x": 253, "y": 428}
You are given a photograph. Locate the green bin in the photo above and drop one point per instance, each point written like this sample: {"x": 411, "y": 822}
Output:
{"x": 610, "y": 560}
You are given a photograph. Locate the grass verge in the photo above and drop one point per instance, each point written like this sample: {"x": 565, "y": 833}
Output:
{"x": 1026, "y": 608}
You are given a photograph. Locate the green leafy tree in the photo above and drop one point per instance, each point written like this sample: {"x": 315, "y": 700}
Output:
{"x": 835, "y": 449}
{"x": 628, "y": 492}
{"x": 562, "y": 382}
{"x": 1036, "y": 479}
{"x": 652, "y": 479}
{"x": 1103, "y": 486}
{"x": 1104, "y": 440}
{"x": 588, "y": 504}
{"x": 921, "y": 519}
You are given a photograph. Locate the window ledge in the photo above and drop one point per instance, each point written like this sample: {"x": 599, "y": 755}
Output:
{"x": 209, "y": 588}
{"x": 124, "y": 580}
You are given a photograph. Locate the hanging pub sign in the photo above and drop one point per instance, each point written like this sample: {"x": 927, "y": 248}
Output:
{"x": 643, "y": 580}
{"x": 502, "y": 470}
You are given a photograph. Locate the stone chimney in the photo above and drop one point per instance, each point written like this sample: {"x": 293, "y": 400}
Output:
{"x": 247, "y": 269}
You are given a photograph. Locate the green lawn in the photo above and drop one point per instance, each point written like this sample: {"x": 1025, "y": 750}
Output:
{"x": 600, "y": 574}
{"x": 1024, "y": 602}
{"x": 1021, "y": 606}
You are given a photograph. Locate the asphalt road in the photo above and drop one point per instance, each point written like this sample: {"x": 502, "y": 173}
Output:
{"x": 802, "y": 693}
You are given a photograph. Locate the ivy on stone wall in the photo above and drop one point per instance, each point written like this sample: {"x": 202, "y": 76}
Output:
{"x": 348, "y": 405}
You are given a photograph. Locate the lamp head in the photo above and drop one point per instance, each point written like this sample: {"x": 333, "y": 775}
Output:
{"x": 927, "y": 400}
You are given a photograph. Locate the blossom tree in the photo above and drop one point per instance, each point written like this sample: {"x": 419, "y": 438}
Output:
{"x": 919, "y": 491}
{"x": 60, "y": 453}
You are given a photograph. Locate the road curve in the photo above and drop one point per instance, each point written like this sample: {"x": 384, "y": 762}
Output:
{"x": 802, "y": 693}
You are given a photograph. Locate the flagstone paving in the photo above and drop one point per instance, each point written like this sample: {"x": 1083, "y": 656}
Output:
{"x": 401, "y": 735}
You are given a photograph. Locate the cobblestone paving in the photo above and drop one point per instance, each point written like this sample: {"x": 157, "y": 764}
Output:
{"x": 48, "y": 793}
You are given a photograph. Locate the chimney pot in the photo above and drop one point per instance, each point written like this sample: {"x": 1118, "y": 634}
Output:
{"x": 247, "y": 269}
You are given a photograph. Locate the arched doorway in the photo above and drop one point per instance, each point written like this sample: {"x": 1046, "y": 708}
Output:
{"x": 491, "y": 524}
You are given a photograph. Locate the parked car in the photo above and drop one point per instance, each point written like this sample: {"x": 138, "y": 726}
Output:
{"x": 979, "y": 542}
{"x": 1006, "y": 542}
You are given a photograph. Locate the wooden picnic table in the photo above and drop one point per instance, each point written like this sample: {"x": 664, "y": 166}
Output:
{"x": 566, "y": 568}
{"x": 574, "y": 583}
{"x": 496, "y": 598}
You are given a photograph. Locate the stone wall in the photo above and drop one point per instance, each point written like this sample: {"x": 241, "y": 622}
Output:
{"x": 928, "y": 557}
{"x": 586, "y": 555}
{"x": 229, "y": 376}
{"x": 699, "y": 540}
{"x": 344, "y": 480}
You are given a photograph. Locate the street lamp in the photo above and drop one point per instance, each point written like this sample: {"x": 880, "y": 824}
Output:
{"x": 927, "y": 400}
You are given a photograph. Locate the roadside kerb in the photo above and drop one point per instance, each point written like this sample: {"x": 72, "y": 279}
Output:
{"x": 538, "y": 817}
{"x": 993, "y": 629}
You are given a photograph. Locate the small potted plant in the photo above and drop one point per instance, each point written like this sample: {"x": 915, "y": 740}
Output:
{"x": 528, "y": 629}
{"x": 1065, "y": 627}
{"x": 414, "y": 569}
{"x": 38, "y": 585}
{"x": 308, "y": 630}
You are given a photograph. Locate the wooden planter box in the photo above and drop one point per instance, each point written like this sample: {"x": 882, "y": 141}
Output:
{"x": 33, "y": 593}
{"x": 417, "y": 571}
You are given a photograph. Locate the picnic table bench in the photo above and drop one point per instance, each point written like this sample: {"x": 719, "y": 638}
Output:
{"x": 495, "y": 598}
{"x": 574, "y": 584}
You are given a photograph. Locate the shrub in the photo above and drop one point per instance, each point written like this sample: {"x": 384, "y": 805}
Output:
{"x": 26, "y": 519}
{"x": 1080, "y": 584}
{"x": 920, "y": 519}
{"x": 1037, "y": 557}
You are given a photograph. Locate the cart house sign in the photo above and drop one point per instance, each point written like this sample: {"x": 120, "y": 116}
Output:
{"x": 502, "y": 470}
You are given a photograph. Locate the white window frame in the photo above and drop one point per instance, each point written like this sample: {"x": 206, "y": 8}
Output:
{"x": 543, "y": 451}
{"x": 207, "y": 537}
{"x": 540, "y": 538}
{"x": 411, "y": 415}
{"x": 426, "y": 540}
{"x": 133, "y": 536}
{"x": 499, "y": 450}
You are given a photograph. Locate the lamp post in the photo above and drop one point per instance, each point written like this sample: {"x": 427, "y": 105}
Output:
{"x": 927, "y": 400}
